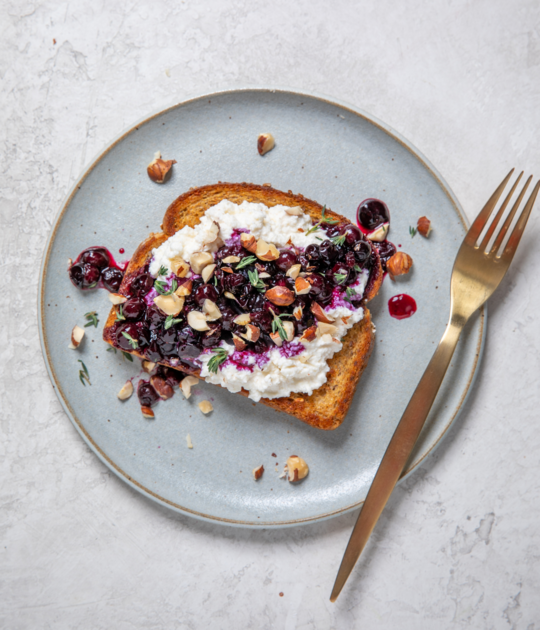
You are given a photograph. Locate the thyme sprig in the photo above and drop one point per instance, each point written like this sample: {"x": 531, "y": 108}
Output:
{"x": 350, "y": 294}
{"x": 84, "y": 377}
{"x": 120, "y": 317}
{"x": 220, "y": 356}
{"x": 324, "y": 219}
{"x": 412, "y": 231}
{"x": 277, "y": 324}
{"x": 161, "y": 287}
{"x": 248, "y": 260}
{"x": 127, "y": 356}
{"x": 132, "y": 342}
{"x": 340, "y": 277}
{"x": 91, "y": 318}
{"x": 338, "y": 240}
{"x": 171, "y": 321}
{"x": 162, "y": 271}
{"x": 256, "y": 281}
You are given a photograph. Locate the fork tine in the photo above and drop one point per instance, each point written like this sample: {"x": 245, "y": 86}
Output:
{"x": 518, "y": 230}
{"x": 498, "y": 216}
{"x": 509, "y": 219}
{"x": 481, "y": 220}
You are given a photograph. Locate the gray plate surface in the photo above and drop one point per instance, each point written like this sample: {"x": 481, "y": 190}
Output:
{"x": 329, "y": 152}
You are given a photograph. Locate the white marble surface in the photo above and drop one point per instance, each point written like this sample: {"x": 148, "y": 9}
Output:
{"x": 459, "y": 545}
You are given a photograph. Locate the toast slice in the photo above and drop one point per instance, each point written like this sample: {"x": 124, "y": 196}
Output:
{"x": 327, "y": 407}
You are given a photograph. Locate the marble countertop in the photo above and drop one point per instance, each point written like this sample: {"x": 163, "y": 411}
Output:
{"x": 459, "y": 543}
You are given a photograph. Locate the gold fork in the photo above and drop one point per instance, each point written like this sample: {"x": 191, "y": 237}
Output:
{"x": 477, "y": 272}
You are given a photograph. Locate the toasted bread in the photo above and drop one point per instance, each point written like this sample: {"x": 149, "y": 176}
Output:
{"x": 327, "y": 407}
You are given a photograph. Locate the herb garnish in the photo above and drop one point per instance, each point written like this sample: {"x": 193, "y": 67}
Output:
{"x": 161, "y": 287}
{"x": 111, "y": 349}
{"x": 412, "y": 231}
{"x": 357, "y": 268}
{"x": 91, "y": 318}
{"x": 340, "y": 277}
{"x": 350, "y": 294}
{"x": 338, "y": 240}
{"x": 162, "y": 271}
{"x": 277, "y": 324}
{"x": 120, "y": 314}
{"x": 127, "y": 356}
{"x": 324, "y": 219}
{"x": 220, "y": 355}
{"x": 171, "y": 321}
{"x": 256, "y": 281}
{"x": 248, "y": 260}
{"x": 132, "y": 342}
{"x": 84, "y": 377}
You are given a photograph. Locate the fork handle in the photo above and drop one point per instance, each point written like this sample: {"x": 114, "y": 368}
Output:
{"x": 399, "y": 450}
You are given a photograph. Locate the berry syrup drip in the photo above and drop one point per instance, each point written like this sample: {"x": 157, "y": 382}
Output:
{"x": 95, "y": 267}
{"x": 330, "y": 267}
{"x": 402, "y": 306}
{"x": 372, "y": 214}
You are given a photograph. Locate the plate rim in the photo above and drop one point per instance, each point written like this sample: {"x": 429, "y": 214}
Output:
{"x": 98, "y": 451}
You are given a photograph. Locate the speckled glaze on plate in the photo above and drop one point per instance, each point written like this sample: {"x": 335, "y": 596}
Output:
{"x": 326, "y": 151}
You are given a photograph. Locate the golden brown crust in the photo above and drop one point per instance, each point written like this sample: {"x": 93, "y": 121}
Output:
{"x": 327, "y": 407}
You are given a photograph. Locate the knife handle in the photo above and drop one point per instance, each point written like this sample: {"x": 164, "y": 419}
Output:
{"x": 399, "y": 451}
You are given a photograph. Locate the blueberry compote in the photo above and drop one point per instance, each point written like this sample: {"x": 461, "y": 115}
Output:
{"x": 371, "y": 215}
{"x": 332, "y": 268}
{"x": 95, "y": 267}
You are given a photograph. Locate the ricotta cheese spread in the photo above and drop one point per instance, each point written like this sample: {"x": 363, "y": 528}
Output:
{"x": 297, "y": 367}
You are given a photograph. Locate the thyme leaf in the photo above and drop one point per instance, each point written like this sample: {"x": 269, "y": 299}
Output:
{"x": 120, "y": 314}
{"x": 84, "y": 377}
{"x": 162, "y": 271}
{"x": 127, "y": 356}
{"x": 412, "y": 231}
{"x": 132, "y": 342}
{"x": 338, "y": 240}
{"x": 171, "y": 321}
{"x": 220, "y": 355}
{"x": 340, "y": 277}
{"x": 161, "y": 287}
{"x": 92, "y": 319}
{"x": 324, "y": 219}
{"x": 256, "y": 281}
{"x": 277, "y": 324}
{"x": 248, "y": 260}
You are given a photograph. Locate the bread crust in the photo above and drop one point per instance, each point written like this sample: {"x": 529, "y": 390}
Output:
{"x": 327, "y": 407}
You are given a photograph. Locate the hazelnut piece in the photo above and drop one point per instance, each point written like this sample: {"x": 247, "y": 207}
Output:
{"x": 211, "y": 309}
{"x": 179, "y": 267}
{"x": 309, "y": 334}
{"x": 148, "y": 366}
{"x": 197, "y": 320}
{"x": 208, "y": 272}
{"x": 424, "y": 226}
{"x": 161, "y": 386}
{"x": 301, "y": 286}
{"x": 280, "y": 296}
{"x": 379, "y": 234}
{"x": 252, "y": 333}
{"x": 116, "y": 298}
{"x": 288, "y": 327}
{"x": 230, "y": 295}
{"x": 298, "y": 312}
{"x": 326, "y": 329}
{"x": 187, "y": 383}
{"x": 297, "y": 468}
{"x": 258, "y": 472}
{"x": 239, "y": 343}
{"x": 399, "y": 264}
{"x": 199, "y": 260}
{"x": 249, "y": 242}
{"x": 229, "y": 260}
{"x": 77, "y": 335}
{"x": 206, "y": 406}
{"x": 263, "y": 275}
{"x": 265, "y": 143}
{"x": 169, "y": 304}
{"x": 184, "y": 289}
{"x": 147, "y": 413}
{"x": 266, "y": 251}
{"x": 158, "y": 170}
{"x": 319, "y": 313}
{"x": 242, "y": 320}
{"x": 294, "y": 211}
{"x": 294, "y": 271}
{"x": 188, "y": 441}
{"x": 126, "y": 391}
{"x": 276, "y": 339}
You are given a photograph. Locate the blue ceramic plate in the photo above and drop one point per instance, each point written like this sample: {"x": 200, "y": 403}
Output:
{"x": 329, "y": 152}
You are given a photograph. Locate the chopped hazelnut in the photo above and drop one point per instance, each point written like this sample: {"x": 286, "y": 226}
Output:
{"x": 208, "y": 272}
{"x": 266, "y": 251}
{"x": 206, "y": 406}
{"x": 116, "y": 298}
{"x": 184, "y": 289}
{"x": 424, "y": 226}
{"x": 239, "y": 343}
{"x": 148, "y": 366}
{"x": 280, "y": 296}
{"x": 295, "y": 211}
{"x": 288, "y": 327}
{"x": 249, "y": 242}
{"x": 197, "y": 320}
{"x": 399, "y": 264}
{"x": 230, "y": 260}
{"x": 252, "y": 333}
{"x": 309, "y": 334}
{"x": 265, "y": 143}
{"x": 298, "y": 312}
{"x": 169, "y": 304}
{"x": 326, "y": 329}
{"x": 158, "y": 170}
{"x": 258, "y": 472}
{"x": 301, "y": 286}
{"x": 126, "y": 391}
{"x": 211, "y": 310}
{"x": 297, "y": 468}
{"x": 293, "y": 271}
{"x": 77, "y": 335}
{"x": 187, "y": 383}
{"x": 147, "y": 412}
{"x": 179, "y": 267}
{"x": 188, "y": 441}
{"x": 379, "y": 234}
{"x": 161, "y": 386}
{"x": 320, "y": 314}
{"x": 276, "y": 339}
{"x": 243, "y": 319}
{"x": 199, "y": 260}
